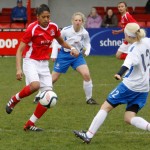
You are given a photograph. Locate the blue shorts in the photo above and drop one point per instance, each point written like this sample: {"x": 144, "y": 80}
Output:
{"x": 65, "y": 60}
{"x": 122, "y": 95}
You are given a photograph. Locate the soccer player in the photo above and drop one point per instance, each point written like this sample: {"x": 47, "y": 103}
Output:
{"x": 125, "y": 19}
{"x": 133, "y": 90}
{"x": 78, "y": 37}
{"x": 34, "y": 48}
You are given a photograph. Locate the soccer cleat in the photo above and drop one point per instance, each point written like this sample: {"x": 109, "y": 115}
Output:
{"x": 36, "y": 100}
{"x": 91, "y": 101}
{"x": 10, "y": 106}
{"x": 32, "y": 128}
{"x": 82, "y": 135}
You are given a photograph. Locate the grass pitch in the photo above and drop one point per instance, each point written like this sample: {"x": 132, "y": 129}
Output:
{"x": 71, "y": 112}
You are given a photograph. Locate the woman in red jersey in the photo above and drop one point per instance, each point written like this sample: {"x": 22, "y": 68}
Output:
{"x": 34, "y": 48}
{"x": 125, "y": 19}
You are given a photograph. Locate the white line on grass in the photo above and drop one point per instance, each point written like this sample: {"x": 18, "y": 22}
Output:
{"x": 65, "y": 131}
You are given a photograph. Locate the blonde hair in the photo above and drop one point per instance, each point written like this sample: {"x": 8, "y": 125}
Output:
{"x": 133, "y": 30}
{"x": 80, "y": 14}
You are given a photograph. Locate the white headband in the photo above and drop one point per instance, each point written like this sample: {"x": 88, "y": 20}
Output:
{"x": 129, "y": 33}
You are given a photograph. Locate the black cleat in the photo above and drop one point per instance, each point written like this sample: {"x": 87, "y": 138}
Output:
{"x": 32, "y": 128}
{"x": 10, "y": 106}
{"x": 82, "y": 135}
{"x": 91, "y": 101}
{"x": 8, "y": 109}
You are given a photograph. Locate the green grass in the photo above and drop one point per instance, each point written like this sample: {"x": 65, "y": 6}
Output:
{"x": 71, "y": 113}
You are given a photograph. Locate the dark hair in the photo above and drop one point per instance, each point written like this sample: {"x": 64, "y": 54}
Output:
{"x": 123, "y": 3}
{"x": 41, "y": 8}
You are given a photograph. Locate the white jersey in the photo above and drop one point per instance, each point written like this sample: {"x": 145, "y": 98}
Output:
{"x": 138, "y": 60}
{"x": 80, "y": 40}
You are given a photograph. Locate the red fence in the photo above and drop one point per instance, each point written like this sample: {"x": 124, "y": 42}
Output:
{"x": 9, "y": 42}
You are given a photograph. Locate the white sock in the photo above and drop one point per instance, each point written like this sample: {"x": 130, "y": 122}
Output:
{"x": 88, "y": 86}
{"x": 17, "y": 97}
{"x": 33, "y": 118}
{"x": 96, "y": 123}
{"x": 140, "y": 123}
{"x": 38, "y": 94}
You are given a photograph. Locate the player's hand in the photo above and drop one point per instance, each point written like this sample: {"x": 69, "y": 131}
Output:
{"x": 53, "y": 59}
{"x": 83, "y": 52}
{"x": 117, "y": 77}
{"x": 19, "y": 75}
{"x": 74, "y": 52}
{"x": 115, "y": 32}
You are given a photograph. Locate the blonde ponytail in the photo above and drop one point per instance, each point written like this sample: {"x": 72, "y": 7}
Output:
{"x": 140, "y": 34}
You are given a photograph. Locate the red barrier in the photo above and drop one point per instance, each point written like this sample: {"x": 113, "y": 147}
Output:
{"x": 9, "y": 42}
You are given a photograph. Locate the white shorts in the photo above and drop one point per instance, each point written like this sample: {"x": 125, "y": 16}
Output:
{"x": 37, "y": 71}
{"x": 124, "y": 48}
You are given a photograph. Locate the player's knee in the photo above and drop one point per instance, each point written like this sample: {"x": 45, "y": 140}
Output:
{"x": 35, "y": 86}
{"x": 55, "y": 77}
{"x": 86, "y": 77}
{"x": 127, "y": 120}
{"x": 131, "y": 112}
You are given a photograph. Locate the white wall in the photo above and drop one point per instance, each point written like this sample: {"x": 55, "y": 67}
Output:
{"x": 62, "y": 10}
{"x": 38, "y": 2}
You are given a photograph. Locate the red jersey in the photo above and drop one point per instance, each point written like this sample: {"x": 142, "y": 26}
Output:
{"x": 38, "y": 40}
{"x": 126, "y": 18}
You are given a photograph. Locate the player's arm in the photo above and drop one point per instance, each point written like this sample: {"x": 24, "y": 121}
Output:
{"x": 132, "y": 59}
{"x": 55, "y": 48}
{"x": 87, "y": 45}
{"x": 73, "y": 51}
{"x": 117, "y": 31}
{"x": 19, "y": 72}
{"x": 126, "y": 65}
{"x": 121, "y": 72}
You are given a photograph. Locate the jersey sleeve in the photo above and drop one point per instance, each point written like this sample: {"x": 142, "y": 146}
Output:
{"x": 57, "y": 32}
{"x": 55, "y": 47}
{"x": 132, "y": 58}
{"x": 27, "y": 36}
{"x": 87, "y": 44}
{"x": 130, "y": 18}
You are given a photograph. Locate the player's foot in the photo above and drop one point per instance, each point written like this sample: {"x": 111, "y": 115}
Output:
{"x": 36, "y": 100}
{"x": 10, "y": 105}
{"x": 82, "y": 135}
{"x": 91, "y": 101}
{"x": 32, "y": 128}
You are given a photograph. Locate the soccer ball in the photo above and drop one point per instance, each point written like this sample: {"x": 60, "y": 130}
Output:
{"x": 48, "y": 99}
